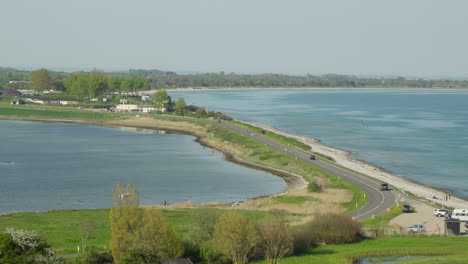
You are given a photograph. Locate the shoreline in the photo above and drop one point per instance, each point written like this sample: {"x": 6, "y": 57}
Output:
{"x": 204, "y": 89}
{"x": 344, "y": 158}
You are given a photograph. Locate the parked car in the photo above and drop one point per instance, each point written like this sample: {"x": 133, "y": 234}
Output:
{"x": 406, "y": 208}
{"x": 466, "y": 224}
{"x": 384, "y": 187}
{"x": 416, "y": 229}
{"x": 312, "y": 157}
{"x": 440, "y": 212}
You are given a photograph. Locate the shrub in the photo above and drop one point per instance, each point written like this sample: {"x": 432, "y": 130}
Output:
{"x": 314, "y": 187}
{"x": 334, "y": 229}
{"x": 303, "y": 240}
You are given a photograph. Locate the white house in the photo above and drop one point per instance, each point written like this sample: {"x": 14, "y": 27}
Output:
{"x": 126, "y": 107}
{"x": 146, "y": 98}
{"x": 147, "y": 108}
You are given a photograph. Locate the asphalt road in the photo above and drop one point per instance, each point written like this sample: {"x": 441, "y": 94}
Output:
{"x": 378, "y": 201}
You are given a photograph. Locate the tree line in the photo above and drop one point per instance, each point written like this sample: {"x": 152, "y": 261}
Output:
{"x": 95, "y": 82}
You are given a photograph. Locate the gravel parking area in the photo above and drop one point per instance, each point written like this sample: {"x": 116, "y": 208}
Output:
{"x": 424, "y": 215}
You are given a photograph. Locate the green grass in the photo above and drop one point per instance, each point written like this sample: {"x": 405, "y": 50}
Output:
{"x": 57, "y": 113}
{"x": 382, "y": 220}
{"x": 294, "y": 199}
{"x": 287, "y": 141}
{"x": 452, "y": 248}
{"x": 61, "y": 228}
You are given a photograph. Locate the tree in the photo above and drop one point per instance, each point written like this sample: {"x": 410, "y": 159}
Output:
{"x": 124, "y": 219}
{"x": 276, "y": 238}
{"x": 162, "y": 99}
{"x": 20, "y": 247}
{"x": 40, "y": 80}
{"x": 156, "y": 236}
{"x": 235, "y": 237}
{"x": 180, "y": 106}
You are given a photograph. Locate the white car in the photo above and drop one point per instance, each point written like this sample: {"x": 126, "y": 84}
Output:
{"x": 440, "y": 212}
{"x": 416, "y": 228}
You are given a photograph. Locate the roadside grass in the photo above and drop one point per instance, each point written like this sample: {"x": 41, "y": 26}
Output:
{"x": 61, "y": 228}
{"x": 294, "y": 199}
{"x": 287, "y": 141}
{"x": 448, "y": 248}
{"x": 382, "y": 220}
{"x": 48, "y": 113}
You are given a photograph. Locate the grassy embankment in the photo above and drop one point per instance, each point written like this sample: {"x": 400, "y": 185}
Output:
{"x": 448, "y": 250}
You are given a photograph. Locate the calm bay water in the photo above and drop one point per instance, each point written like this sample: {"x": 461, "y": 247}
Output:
{"x": 421, "y": 135}
{"x": 68, "y": 166}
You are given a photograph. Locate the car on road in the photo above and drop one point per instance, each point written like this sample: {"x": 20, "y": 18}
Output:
{"x": 440, "y": 212}
{"x": 312, "y": 157}
{"x": 406, "y": 208}
{"x": 416, "y": 229}
{"x": 384, "y": 187}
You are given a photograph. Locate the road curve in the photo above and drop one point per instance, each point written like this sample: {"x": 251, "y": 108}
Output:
{"x": 378, "y": 201}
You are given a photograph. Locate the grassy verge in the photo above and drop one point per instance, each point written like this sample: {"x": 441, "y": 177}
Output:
{"x": 382, "y": 220}
{"x": 62, "y": 228}
{"x": 448, "y": 248}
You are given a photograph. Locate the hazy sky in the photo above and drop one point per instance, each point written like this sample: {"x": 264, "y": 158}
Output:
{"x": 399, "y": 37}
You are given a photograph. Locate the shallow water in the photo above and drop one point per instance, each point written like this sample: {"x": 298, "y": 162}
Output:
{"x": 47, "y": 166}
{"x": 421, "y": 135}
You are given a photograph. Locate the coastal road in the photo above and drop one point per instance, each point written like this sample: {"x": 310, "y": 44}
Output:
{"x": 378, "y": 201}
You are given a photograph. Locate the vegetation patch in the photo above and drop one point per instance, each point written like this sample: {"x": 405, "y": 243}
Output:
{"x": 294, "y": 199}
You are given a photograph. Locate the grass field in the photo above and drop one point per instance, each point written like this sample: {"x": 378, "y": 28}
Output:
{"x": 61, "y": 228}
{"x": 449, "y": 250}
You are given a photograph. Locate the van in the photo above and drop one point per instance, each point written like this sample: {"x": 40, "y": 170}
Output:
{"x": 460, "y": 214}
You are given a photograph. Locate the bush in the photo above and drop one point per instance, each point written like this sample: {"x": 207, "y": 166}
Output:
{"x": 139, "y": 256}
{"x": 334, "y": 229}
{"x": 314, "y": 187}
{"x": 303, "y": 240}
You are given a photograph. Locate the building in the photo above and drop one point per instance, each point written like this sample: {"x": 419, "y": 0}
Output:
{"x": 126, "y": 107}
{"x": 147, "y": 108}
{"x": 146, "y": 98}
{"x": 69, "y": 102}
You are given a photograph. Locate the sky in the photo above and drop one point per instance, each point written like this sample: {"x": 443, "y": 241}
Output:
{"x": 423, "y": 38}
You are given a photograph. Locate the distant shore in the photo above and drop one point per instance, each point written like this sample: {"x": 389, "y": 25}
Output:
{"x": 201, "y": 89}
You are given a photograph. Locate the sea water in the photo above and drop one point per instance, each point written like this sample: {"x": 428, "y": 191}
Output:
{"x": 49, "y": 166}
{"x": 421, "y": 135}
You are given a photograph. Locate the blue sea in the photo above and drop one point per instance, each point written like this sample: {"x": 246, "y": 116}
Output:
{"x": 50, "y": 166}
{"x": 420, "y": 135}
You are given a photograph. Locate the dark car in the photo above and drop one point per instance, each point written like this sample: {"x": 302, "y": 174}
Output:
{"x": 384, "y": 187}
{"x": 312, "y": 157}
{"x": 406, "y": 208}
